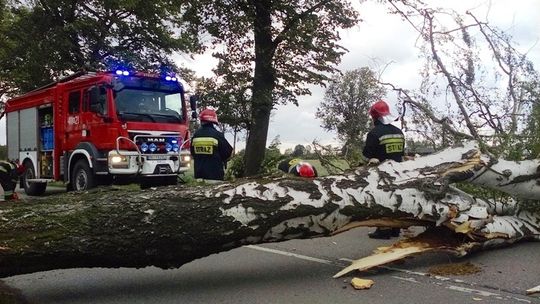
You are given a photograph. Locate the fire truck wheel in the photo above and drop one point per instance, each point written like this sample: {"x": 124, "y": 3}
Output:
{"x": 34, "y": 189}
{"x": 83, "y": 177}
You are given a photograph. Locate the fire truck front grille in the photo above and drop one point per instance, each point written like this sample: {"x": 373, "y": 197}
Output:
{"x": 133, "y": 134}
{"x": 163, "y": 169}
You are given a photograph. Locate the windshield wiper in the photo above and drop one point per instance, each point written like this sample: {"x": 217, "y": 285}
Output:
{"x": 138, "y": 114}
{"x": 175, "y": 116}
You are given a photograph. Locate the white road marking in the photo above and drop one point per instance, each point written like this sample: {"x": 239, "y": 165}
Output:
{"x": 473, "y": 291}
{"x": 409, "y": 279}
{"x": 285, "y": 253}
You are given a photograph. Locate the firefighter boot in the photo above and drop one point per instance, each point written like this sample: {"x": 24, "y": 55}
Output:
{"x": 381, "y": 233}
{"x": 384, "y": 233}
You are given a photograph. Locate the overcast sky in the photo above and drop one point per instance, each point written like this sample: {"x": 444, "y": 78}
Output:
{"x": 383, "y": 39}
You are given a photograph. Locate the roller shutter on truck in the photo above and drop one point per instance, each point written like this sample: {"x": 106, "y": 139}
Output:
{"x": 12, "y": 126}
{"x": 29, "y": 140}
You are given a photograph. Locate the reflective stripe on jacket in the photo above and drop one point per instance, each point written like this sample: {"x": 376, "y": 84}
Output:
{"x": 384, "y": 142}
{"x": 210, "y": 151}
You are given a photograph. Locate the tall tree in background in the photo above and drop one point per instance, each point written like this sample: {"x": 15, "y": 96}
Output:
{"x": 231, "y": 97}
{"x": 531, "y": 145}
{"x": 46, "y": 39}
{"x": 345, "y": 108}
{"x": 280, "y": 46}
{"x": 477, "y": 84}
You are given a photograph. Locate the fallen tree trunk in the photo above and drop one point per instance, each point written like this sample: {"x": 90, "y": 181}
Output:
{"x": 171, "y": 226}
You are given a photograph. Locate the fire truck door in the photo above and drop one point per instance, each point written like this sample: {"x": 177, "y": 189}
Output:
{"x": 95, "y": 117}
{"x": 74, "y": 128}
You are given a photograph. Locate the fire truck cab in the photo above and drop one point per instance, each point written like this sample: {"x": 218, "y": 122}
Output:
{"x": 95, "y": 128}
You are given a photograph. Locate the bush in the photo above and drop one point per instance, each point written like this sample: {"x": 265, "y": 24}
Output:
{"x": 235, "y": 166}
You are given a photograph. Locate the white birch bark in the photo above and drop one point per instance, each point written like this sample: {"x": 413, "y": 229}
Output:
{"x": 172, "y": 226}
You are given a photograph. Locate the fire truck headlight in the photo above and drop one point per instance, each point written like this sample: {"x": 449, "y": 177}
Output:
{"x": 118, "y": 161}
{"x": 175, "y": 147}
{"x": 168, "y": 147}
{"x": 186, "y": 158}
{"x": 144, "y": 147}
{"x": 152, "y": 147}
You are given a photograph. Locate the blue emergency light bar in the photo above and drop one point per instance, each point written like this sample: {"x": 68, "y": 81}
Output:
{"x": 127, "y": 73}
{"x": 122, "y": 73}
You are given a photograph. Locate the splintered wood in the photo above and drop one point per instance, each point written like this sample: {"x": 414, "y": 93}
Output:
{"x": 389, "y": 255}
{"x": 358, "y": 283}
{"x": 533, "y": 290}
{"x": 435, "y": 239}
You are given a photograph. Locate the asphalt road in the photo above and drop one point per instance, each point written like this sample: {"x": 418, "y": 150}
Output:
{"x": 298, "y": 271}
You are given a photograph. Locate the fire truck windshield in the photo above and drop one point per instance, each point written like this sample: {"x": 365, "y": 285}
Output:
{"x": 138, "y": 104}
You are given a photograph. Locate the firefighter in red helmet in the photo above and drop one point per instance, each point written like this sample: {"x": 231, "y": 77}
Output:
{"x": 384, "y": 141}
{"x": 209, "y": 148}
{"x": 298, "y": 167}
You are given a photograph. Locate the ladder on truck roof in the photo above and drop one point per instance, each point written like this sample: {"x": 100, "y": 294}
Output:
{"x": 65, "y": 79}
{"x": 61, "y": 80}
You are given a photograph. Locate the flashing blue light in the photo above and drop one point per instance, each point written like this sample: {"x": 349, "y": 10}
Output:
{"x": 168, "y": 78}
{"x": 168, "y": 147}
{"x": 144, "y": 147}
{"x": 122, "y": 73}
{"x": 174, "y": 141}
{"x": 175, "y": 147}
{"x": 173, "y": 79}
{"x": 152, "y": 147}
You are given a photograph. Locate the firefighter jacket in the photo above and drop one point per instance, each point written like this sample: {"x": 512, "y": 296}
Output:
{"x": 210, "y": 151}
{"x": 384, "y": 142}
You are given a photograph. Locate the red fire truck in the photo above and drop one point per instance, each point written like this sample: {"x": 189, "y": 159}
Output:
{"x": 99, "y": 127}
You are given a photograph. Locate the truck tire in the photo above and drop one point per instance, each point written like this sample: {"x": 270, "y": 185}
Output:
{"x": 34, "y": 189}
{"x": 82, "y": 177}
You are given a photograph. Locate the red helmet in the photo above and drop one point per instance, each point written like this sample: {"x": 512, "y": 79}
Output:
{"x": 208, "y": 115}
{"x": 379, "y": 109}
{"x": 306, "y": 170}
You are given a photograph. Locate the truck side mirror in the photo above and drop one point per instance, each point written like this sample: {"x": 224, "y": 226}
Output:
{"x": 193, "y": 99}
